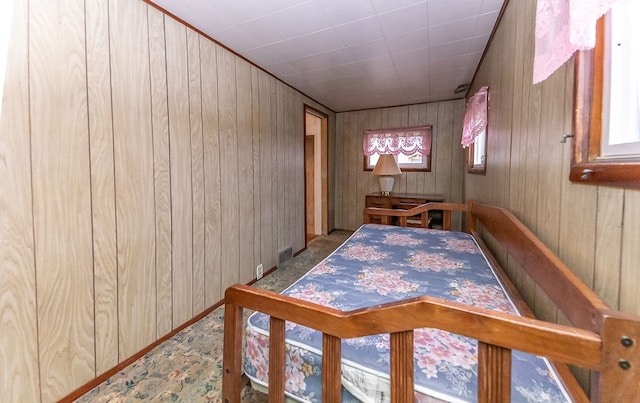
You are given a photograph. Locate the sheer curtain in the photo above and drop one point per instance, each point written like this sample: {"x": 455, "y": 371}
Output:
{"x": 407, "y": 141}
{"x": 562, "y": 27}
{"x": 475, "y": 116}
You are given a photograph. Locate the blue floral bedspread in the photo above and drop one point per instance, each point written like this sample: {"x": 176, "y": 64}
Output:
{"x": 380, "y": 264}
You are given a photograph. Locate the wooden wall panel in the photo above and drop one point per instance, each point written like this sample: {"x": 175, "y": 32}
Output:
{"x": 197, "y": 170}
{"x": 255, "y": 160}
{"x": 592, "y": 228}
{"x": 629, "y": 273}
{"x": 161, "y": 170}
{"x": 123, "y": 119}
{"x": 19, "y": 372}
{"x": 352, "y": 183}
{"x": 213, "y": 212}
{"x": 61, "y": 196}
{"x": 245, "y": 170}
{"x": 181, "y": 175}
{"x": 105, "y": 264}
{"x": 267, "y": 153}
{"x": 133, "y": 163}
{"x": 229, "y": 177}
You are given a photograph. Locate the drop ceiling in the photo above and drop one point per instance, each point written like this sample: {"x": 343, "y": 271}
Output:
{"x": 353, "y": 54}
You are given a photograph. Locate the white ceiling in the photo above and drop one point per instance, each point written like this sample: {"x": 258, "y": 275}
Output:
{"x": 353, "y": 54}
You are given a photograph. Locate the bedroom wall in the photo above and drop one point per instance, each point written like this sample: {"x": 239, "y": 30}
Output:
{"x": 594, "y": 229}
{"x": 352, "y": 182}
{"x": 143, "y": 169}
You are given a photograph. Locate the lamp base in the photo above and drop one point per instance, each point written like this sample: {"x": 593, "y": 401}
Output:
{"x": 386, "y": 185}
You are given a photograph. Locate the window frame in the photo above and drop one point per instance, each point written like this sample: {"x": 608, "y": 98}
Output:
{"x": 423, "y": 167}
{"x": 368, "y": 167}
{"x": 472, "y": 167}
{"x": 586, "y": 164}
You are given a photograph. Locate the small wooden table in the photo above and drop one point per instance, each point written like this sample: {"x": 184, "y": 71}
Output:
{"x": 405, "y": 201}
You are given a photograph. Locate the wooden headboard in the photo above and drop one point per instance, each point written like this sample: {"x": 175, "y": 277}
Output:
{"x": 601, "y": 339}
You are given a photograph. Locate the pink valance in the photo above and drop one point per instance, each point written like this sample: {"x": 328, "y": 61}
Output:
{"x": 562, "y": 27}
{"x": 475, "y": 116}
{"x": 407, "y": 141}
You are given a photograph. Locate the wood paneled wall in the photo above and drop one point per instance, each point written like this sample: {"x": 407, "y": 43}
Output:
{"x": 143, "y": 169}
{"x": 594, "y": 229}
{"x": 352, "y": 182}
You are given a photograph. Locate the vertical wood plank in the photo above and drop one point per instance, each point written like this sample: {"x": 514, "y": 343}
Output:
{"x": 197, "y": 170}
{"x": 351, "y": 197}
{"x": 432, "y": 119}
{"x": 331, "y": 379}
{"x": 339, "y": 185}
{"x": 257, "y": 185}
{"x": 494, "y": 374}
{"x": 629, "y": 273}
{"x": 229, "y": 178}
{"x": 20, "y": 378}
{"x": 267, "y": 250}
{"x": 133, "y": 163}
{"x": 212, "y": 184}
{"x": 609, "y": 235}
{"x": 161, "y": 170}
{"x": 105, "y": 266}
{"x": 61, "y": 195}
{"x": 245, "y": 169}
{"x": 401, "y": 346}
{"x": 276, "y": 360}
{"x": 181, "y": 175}
{"x": 442, "y": 159}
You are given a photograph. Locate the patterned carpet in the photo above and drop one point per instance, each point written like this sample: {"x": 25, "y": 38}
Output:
{"x": 188, "y": 367}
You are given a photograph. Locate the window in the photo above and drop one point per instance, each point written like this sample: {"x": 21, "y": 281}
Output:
{"x": 476, "y": 158}
{"x": 411, "y": 146}
{"x": 606, "y": 147}
{"x": 474, "y": 131}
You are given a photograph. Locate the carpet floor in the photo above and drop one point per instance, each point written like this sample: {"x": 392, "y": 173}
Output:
{"x": 188, "y": 367}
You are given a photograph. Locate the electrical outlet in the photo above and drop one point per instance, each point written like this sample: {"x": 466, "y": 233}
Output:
{"x": 259, "y": 271}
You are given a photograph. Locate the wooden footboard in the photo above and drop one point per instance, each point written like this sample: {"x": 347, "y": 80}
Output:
{"x": 600, "y": 339}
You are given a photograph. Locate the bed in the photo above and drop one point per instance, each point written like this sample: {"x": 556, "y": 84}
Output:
{"x": 410, "y": 314}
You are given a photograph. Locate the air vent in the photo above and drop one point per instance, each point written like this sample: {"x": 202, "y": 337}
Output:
{"x": 285, "y": 254}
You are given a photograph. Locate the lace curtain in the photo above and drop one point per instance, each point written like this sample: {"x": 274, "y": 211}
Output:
{"x": 562, "y": 27}
{"x": 407, "y": 141}
{"x": 475, "y": 116}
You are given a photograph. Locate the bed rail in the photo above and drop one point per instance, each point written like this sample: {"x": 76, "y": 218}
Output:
{"x": 497, "y": 333}
{"x": 603, "y": 340}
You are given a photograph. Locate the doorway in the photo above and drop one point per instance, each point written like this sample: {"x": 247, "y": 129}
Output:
{"x": 315, "y": 173}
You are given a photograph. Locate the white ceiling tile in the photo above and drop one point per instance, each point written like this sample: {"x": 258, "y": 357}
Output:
{"x": 412, "y": 58}
{"x": 361, "y": 31}
{"x": 382, "y": 6}
{"x": 452, "y": 32}
{"x": 246, "y": 10}
{"x": 353, "y": 54}
{"x": 370, "y": 50}
{"x": 404, "y": 20}
{"x": 443, "y": 12}
{"x": 341, "y": 12}
{"x": 450, "y": 49}
{"x": 408, "y": 41}
{"x": 285, "y": 24}
{"x": 313, "y": 44}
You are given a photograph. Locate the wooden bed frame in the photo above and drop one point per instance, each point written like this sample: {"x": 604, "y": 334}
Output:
{"x": 600, "y": 339}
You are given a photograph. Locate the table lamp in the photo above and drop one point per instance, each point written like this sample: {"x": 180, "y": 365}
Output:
{"x": 385, "y": 169}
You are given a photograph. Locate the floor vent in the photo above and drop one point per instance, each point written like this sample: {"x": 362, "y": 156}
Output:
{"x": 285, "y": 255}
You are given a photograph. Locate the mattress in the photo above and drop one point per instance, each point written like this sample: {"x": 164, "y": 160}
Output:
{"x": 380, "y": 264}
